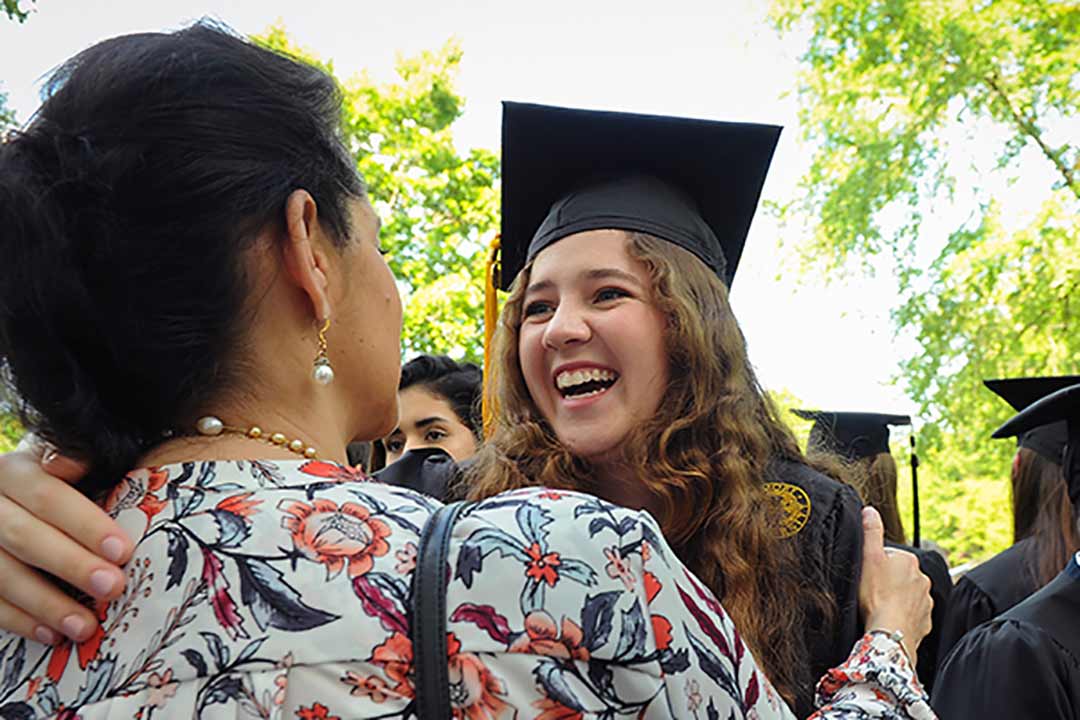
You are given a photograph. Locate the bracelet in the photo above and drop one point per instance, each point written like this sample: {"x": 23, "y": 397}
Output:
{"x": 897, "y": 636}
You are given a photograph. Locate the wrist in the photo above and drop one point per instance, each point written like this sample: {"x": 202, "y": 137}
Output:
{"x": 897, "y": 636}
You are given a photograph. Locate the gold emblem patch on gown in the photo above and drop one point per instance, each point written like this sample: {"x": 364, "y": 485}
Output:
{"x": 795, "y": 504}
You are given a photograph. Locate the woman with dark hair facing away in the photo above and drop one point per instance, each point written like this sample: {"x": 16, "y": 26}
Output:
{"x": 195, "y": 290}
{"x": 1004, "y": 580}
{"x": 860, "y": 442}
{"x": 439, "y": 402}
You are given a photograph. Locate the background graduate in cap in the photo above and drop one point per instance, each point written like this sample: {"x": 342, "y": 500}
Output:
{"x": 618, "y": 368}
{"x": 1036, "y": 558}
{"x": 860, "y": 440}
{"x": 1026, "y": 662}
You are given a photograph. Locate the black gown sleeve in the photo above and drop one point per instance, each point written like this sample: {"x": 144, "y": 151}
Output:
{"x": 969, "y": 607}
{"x": 839, "y": 538}
{"x": 934, "y": 567}
{"x": 1007, "y": 669}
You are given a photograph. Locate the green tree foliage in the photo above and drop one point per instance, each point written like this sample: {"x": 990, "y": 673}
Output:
{"x": 13, "y": 10}
{"x": 438, "y": 206}
{"x": 7, "y": 115}
{"x": 894, "y": 95}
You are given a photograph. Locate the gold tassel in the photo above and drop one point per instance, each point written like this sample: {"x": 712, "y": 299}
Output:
{"x": 492, "y": 273}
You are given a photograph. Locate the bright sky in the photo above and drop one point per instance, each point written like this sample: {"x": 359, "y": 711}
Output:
{"x": 831, "y": 346}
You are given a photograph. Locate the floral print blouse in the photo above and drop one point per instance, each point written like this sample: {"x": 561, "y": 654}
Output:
{"x": 280, "y": 590}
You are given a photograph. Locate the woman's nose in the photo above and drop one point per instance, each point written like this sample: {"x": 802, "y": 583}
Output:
{"x": 568, "y": 325}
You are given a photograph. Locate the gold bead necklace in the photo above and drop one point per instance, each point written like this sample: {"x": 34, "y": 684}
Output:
{"x": 211, "y": 426}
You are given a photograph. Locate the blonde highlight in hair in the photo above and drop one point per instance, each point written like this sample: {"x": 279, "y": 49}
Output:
{"x": 703, "y": 456}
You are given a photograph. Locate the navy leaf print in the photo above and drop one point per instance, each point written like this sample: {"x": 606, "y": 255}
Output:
{"x": 712, "y": 713}
{"x": 601, "y": 677}
{"x": 227, "y": 688}
{"x": 49, "y": 699}
{"x": 195, "y": 659}
{"x": 655, "y": 543}
{"x": 217, "y": 648}
{"x": 206, "y": 474}
{"x": 272, "y": 601}
{"x": 98, "y": 678}
{"x": 627, "y": 524}
{"x": 532, "y": 596}
{"x": 484, "y": 617}
{"x": 533, "y": 520}
{"x": 482, "y": 543}
{"x": 470, "y": 561}
{"x": 13, "y": 663}
{"x": 178, "y": 558}
{"x": 233, "y": 530}
{"x": 599, "y": 524}
{"x": 596, "y": 618}
{"x": 16, "y": 711}
{"x": 715, "y": 668}
{"x": 577, "y": 571}
{"x": 591, "y": 506}
{"x": 183, "y": 505}
{"x": 550, "y": 677}
{"x": 249, "y": 652}
{"x": 632, "y": 637}
{"x": 673, "y": 663}
{"x": 173, "y": 490}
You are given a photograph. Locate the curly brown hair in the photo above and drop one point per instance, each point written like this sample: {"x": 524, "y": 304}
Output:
{"x": 703, "y": 457}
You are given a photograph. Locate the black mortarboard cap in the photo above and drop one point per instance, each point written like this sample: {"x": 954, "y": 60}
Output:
{"x": 857, "y": 435}
{"x": 1047, "y": 440}
{"x": 1060, "y": 406}
{"x": 852, "y": 435}
{"x": 694, "y": 183}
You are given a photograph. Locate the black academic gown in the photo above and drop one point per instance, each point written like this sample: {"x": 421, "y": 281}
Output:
{"x": 934, "y": 567}
{"x": 1024, "y": 664}
{"x": 829, "y": 539}
{"x": 987, "y": 591}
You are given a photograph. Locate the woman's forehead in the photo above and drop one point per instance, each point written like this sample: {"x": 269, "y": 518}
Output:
{"x": 584, "y": 253}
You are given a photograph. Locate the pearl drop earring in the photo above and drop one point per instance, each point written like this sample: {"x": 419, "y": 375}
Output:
{"x": 322, "y": 372}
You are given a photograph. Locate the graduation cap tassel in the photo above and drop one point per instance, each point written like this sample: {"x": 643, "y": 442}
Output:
{"x": 492, "y": 272}
{"x": 915, "y": 532}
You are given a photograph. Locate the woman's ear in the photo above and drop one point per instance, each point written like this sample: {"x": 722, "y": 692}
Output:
{"x": 305, "y": 258}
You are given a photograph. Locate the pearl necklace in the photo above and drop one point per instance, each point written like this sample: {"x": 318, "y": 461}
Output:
{"x": 211, "y": 426}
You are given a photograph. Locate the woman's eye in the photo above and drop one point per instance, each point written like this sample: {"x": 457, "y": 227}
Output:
{"x": 611, "y": 294}
{"x": 394, "y": 446}
{"x": 434, "y": 435}
{"x": 537, "y": 308}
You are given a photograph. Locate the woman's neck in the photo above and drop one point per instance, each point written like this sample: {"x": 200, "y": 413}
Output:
{"x": 619, "y": 484}
{"x": 314, "y": 422}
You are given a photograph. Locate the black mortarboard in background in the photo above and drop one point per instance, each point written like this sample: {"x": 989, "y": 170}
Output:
{"x": 1060, "y": 406}
{"x": 695, "y": 183}
{"x": 1047, "y": 440}
{"x": 852, "y": 435}
{"x": 858, "y": 435}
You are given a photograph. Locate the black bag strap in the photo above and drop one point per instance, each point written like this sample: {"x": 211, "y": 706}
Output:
{"x": 431, "y": 678}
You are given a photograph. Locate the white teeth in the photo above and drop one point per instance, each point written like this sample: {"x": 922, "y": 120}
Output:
{"x": 571, "y": 378}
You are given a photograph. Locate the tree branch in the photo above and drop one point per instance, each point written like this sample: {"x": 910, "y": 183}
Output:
{"x": 1027, "y": 127}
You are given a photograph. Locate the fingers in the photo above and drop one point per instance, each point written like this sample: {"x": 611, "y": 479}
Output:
{"x": 22, "y": 624}
{"x": 32, "y": 540}
{"x": 37, "y": 609}
{"x": 873, "y": 535}
{"x": 26, "y": 485}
